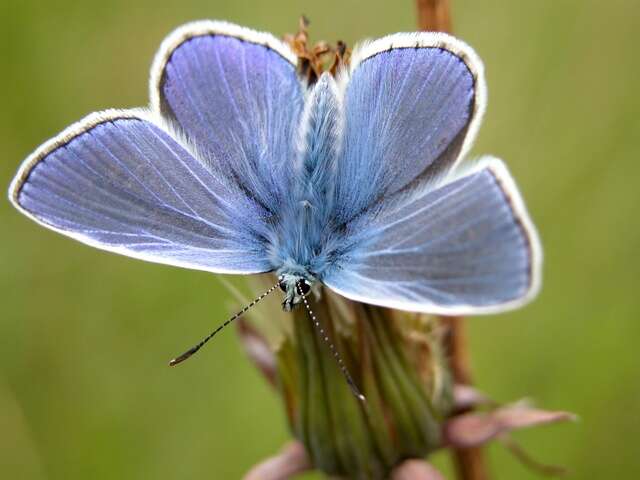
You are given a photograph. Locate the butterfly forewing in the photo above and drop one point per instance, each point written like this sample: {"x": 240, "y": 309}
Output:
{"x": 235, "y": 94}
{"x": 412, "y": 102}
{"x": 121, "y": 183}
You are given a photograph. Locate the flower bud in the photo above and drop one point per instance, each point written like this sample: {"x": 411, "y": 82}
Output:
{"x": 396, "y": 361}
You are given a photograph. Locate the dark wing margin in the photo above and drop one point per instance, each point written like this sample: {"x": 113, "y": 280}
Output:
{"x": 207, "y": 28}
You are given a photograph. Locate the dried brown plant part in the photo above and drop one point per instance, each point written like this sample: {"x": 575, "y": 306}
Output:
{"x": 416, "y": 470}
{"x": 299, "y": 44}
{"x": 474, "y": 429}
{"x": 298, "y": 41}
{"x": 314, "y": 59}
{"x": 292, "y": 460}
{"x": 466, "y": 398}
{"x": 525, "y": 459}
{"x": 341, "y": 58}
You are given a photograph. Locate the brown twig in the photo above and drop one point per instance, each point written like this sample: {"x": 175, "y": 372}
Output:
{"x": 435, "y": 15}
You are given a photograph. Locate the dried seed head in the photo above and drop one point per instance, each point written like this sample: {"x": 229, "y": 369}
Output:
{"x": 313, "y": 59}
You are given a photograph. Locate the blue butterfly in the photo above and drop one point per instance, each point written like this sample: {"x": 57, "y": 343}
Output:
{"x": 238, "y": 166}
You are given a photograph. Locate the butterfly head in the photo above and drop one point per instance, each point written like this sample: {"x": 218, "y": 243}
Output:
{"x": 295, "y": 286}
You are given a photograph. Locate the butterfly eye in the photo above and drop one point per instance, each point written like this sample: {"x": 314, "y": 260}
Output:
{"x": 282, "y": 285}
{"x": 304, "y": 287}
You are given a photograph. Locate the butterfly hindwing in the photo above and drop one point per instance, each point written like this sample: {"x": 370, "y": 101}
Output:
{"x": 466, "y": 247}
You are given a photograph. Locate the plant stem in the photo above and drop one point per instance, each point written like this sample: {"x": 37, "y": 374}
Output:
{"x": 435, "y": 15}
{"x": 469, "y": 462}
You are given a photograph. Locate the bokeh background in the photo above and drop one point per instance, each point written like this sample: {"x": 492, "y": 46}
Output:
{"x": 85, "y": 335}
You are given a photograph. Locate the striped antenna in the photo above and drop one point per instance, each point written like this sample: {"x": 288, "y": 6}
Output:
{"x": 336, "y": 355}
{"x": 197, "y": 347}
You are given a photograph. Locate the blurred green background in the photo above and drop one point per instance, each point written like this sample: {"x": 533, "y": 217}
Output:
{"x": 84, "y": 387}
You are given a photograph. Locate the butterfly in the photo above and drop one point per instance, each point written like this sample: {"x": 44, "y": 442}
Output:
{"x": 354, "y": 182}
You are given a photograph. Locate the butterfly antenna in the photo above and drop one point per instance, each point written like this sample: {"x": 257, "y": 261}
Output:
{"x": 195, "y": 348}
{"x": 336, "y": 355}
